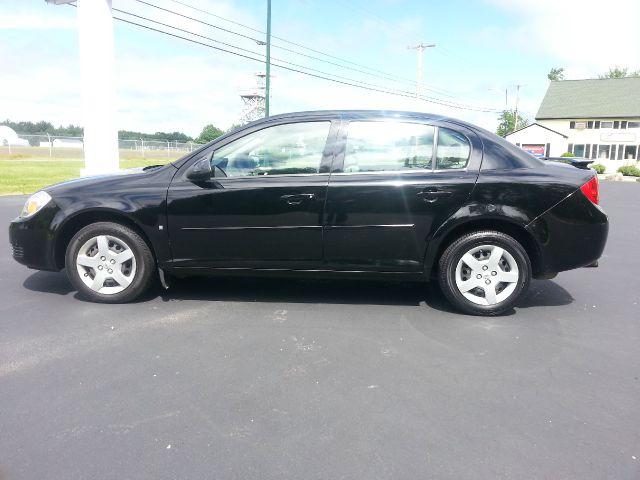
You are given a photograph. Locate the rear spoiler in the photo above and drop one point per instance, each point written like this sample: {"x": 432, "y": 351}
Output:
{"x": 578, "y": 162}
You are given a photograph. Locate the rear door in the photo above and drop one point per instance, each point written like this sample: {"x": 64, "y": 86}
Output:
{"x": 263, "y": 206}
{"x": 393, "y": 184}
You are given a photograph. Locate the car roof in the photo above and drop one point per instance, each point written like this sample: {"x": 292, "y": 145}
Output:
{"x": 511, "y": 155}
{"x": 368, "y": 113}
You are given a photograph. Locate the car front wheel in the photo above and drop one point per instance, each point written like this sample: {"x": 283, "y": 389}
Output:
{"x": 484, "y": 273}
{"x": 109, "y": 263}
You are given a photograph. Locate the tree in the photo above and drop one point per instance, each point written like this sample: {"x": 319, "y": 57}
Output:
{"x": 209, "y": 133}
{"x": 619, "y": 72}
{"x": 508, "y": 122}
{"x": 556, "y": 74}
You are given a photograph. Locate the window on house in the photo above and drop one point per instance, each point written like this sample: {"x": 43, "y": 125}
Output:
{"x": 603, "y": 151}
{"x": 620, "y": 152}
{"x": 616, "y": 124}
{"x": 578, "y": 150}
{"x": 633, "y": 124}
{"x": 623, "y": 124}
{"x": 590, "y": 124}
{"x": 612, "y": 154}
{"x": 572, "y": 124}
{"x": 630, "y": 152}
{"x": 594, "y": 150}
{"x": 596, "y": 124}
{"x": 606, "y": 125}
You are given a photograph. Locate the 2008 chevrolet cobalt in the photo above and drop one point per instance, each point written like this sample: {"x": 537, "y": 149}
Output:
{"x": 337, "y": 193}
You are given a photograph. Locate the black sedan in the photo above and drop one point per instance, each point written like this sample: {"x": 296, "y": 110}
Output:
{"x": 368, "y": 194}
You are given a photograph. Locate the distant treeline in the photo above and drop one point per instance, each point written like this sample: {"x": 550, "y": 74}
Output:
{"x": 42, "y": 128}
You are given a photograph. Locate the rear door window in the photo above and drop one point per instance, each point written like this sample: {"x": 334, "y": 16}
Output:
{"x": 453, "y": 150}
{"x": 388, "y": 147}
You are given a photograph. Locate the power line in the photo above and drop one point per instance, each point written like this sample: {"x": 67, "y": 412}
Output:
{"x": 354, "y": 5}
{"x": 387, "y": 76}
{"x": 388, "y": 89}
{"x": 252, "y": 52}
{"x": 179, "y": 2}
{"x": 322, "y": 77}
{"x": 200, "y": 21}
{"x": 374, "y": 16}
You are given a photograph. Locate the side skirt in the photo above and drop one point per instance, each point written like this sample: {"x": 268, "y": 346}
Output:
{"x": 181, "y": 272}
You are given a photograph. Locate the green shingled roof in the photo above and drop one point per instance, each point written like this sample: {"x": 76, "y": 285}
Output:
{"x": 582, "y": 99}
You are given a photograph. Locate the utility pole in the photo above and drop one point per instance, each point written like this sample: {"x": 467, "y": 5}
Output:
{"x": 268, "y": 59}
{"x": 515, "y": 120}
{"x": 420, "y": 48}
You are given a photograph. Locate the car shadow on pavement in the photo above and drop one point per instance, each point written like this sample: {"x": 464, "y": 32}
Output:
{"x": 542, "y": 293}
{"x": 48, "y": 282}
{"x": 234, "y": 289}
{"x": 545, "y": 293}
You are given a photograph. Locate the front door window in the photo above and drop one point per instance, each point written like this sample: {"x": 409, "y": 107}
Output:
{"x": 295, "y": 148}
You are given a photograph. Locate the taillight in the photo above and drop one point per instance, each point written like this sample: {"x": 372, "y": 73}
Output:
{"x": 591, "y": 190}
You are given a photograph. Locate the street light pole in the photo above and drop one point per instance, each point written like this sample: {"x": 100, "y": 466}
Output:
{"x": 268, "y": 59}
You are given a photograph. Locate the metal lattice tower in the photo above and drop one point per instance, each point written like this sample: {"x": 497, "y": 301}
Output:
{"x": 254, "y": 100}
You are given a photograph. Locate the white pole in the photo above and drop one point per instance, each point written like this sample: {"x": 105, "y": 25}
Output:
{"x": 95, "y": 33}
{"x": 419, "y": 84}
{"x": 515, "y": 121}
{"x": 420, "y": 48}
{"x": 49, "y": 138}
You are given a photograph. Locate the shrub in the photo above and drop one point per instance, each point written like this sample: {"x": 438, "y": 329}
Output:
{"x": 567, "y": 154}
{"x": 630, "y": 171}
{"x": 598, "y": 167}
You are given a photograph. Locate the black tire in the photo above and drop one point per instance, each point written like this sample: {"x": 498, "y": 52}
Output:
{"x": 448, "y": 268}
{"x": 142, "y": 273}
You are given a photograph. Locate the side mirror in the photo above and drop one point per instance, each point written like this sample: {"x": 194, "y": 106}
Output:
{"x": 200, "y": 171}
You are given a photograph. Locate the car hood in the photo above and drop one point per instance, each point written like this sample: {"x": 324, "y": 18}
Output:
{"x": 95, "y": 180}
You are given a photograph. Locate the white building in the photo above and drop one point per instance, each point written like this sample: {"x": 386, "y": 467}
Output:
{"x": 10, "y": 138}
{"x": 597, "y": 119}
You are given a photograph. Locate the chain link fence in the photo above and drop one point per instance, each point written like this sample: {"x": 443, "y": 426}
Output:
{"x": 45, "y": 146}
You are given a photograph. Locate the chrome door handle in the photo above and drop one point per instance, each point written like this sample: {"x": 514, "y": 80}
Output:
{"x": 433, "y": 195}
{"x": 298, "y": 198}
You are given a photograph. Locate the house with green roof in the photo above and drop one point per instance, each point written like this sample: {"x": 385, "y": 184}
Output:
{"x": 596, "y": 118}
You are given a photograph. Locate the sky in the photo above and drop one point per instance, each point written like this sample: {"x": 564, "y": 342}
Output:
{"x": 482, "y": 48}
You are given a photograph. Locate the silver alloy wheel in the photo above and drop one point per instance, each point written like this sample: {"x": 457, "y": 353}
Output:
{"x": 487, "y": 275}
{"x": 106, "y": 264}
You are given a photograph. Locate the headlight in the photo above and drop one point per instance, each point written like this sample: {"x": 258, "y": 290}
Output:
{"x": 35, "y": 203}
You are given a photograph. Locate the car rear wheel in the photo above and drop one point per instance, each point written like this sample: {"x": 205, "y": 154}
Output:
{"x": 109, "y": 263}
{"x": 484, "y": 273}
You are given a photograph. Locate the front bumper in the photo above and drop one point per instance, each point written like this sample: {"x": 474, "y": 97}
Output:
{"x": 32, "y": 239}
{"x": 571, "y": 235}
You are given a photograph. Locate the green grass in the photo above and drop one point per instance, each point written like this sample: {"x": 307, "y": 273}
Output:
{"x": 20, "y": 174}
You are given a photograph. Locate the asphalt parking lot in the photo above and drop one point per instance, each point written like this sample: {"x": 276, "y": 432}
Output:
{"x": 242, "y": 379}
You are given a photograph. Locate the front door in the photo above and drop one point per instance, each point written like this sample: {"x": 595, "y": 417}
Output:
{"x": 394, "y": 184}
{"x": 263, "y": 206}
